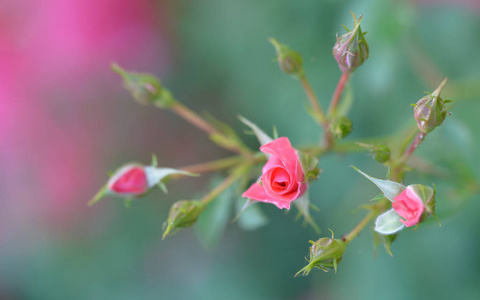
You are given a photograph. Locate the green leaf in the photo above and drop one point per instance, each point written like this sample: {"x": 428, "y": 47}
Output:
{"x": 211, "y": 224}
{"x": 388, "y": 223}
{"x": 390, "y": 189}
{"x": 262, "y": 137}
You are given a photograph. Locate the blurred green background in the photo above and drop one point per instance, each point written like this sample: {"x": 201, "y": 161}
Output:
{"x": 220, "y": 61}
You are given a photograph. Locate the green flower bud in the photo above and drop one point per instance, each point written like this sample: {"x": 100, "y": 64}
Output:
{"x": 340, "y": 127}
{"x": 183, "y": 214}
{"x": 351, "y": 49}
{"x": 145, "y": 88}
{"x": 325, "y": 254}
{"x": 289, "y": 61}
{"x": 430, "y": 111}
{"x": 380, "y": 152}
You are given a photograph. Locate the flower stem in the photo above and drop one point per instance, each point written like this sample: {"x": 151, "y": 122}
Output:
{"x": 200, "y": 123}
{"x": 193, "y": 118}
{"x": 319, "y": 114}
{"x": 214, "y": 165}
{"x": 418, "y": 140}
{"x": 337, "y": 95}
{"x": 236, "y": 174}
{"x": 364, "y": 222}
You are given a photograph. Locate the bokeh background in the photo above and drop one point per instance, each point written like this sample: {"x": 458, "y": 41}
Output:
{"x": 65, "y": 122}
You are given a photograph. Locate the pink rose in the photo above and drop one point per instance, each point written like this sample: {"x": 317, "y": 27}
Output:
{"x": 130, "y": 180}
{"x": 282, "y": 178}
{"x": 409, "y": 206}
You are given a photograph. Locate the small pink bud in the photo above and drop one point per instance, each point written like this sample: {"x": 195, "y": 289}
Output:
{"x": 351, "y": 49}
{"x": 409, "y": 205}
{"x": 130, "y": 180}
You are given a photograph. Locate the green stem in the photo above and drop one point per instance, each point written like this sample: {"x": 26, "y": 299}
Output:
{"x": 236, "y": 174}
{"x": 192, "y": 117}
{"x": 200, "y": 123}
{"x": 364, "y": 222}
{"x": 319, "y": 114}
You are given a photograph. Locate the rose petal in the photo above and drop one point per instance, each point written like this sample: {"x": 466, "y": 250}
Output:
{"x": 257, "y": 192}
{"x": 409, "y": 206}
{"x": 130, "y": 180}
{"x": 282, "y": 149}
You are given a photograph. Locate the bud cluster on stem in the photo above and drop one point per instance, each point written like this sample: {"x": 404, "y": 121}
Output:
{"x": 286, "y": 171}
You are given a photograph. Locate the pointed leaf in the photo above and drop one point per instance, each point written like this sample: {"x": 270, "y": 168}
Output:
{"x": 155, "y": 175}
{"x": 250, "y": 215}
{"x": 388, "y": 223}
{"x": 262, "y": 137}
{"x": 390, "y": 189}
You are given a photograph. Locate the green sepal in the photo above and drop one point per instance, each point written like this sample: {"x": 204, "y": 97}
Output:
{"x": 303, "y": 205}
{"x": 262, "y": 137}
{"x": 98, "y": 196}
{"x": 390, "y": 189}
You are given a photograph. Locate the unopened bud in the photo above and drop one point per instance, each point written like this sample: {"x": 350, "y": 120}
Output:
{"x": 145, "y": 88}
{"x": 325, "y": 254}
{"x": 430, "y": 111}
{"x": 427, "y": 195}
{"x": 380, "y": 153}
{"x": 130, "y": 180}
{"x": 289, "y": 61}
{"x": 182, "y": 214}
{"x": 341, "y": 127}
{"x": 351, "y": 49}
{"x": 135, "y": 180}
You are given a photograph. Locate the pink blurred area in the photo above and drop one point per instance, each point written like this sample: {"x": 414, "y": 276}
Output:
{"x": 55, "y": 83}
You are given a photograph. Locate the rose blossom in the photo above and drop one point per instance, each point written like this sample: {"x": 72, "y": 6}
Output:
{"x": 409, "y": 206}
{"x": 130, "y": 180}
{"x": 282, "y": 176}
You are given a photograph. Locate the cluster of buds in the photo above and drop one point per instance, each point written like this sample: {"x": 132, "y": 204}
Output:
{"x": 325, "y": 254}
{"x": 430, "y": 111}
{"x": 351, "y": 49}
{"x": 145, "y": 88}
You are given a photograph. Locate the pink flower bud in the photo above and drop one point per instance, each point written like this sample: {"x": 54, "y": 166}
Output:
{"x": 351, "y": 49}
{"x": 409, "y": 205}
{"x": 130, "y": 180}
{"x": 283, "y": 178}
